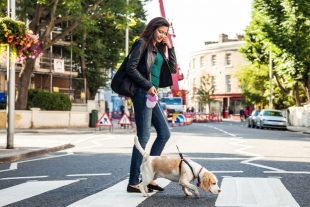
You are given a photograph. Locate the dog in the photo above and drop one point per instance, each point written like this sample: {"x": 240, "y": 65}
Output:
{"x": 176, "y": 170}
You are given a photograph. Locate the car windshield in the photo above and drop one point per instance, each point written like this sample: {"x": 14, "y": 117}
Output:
{"x": 272, "y": 113}
{"x": 255, "y": 113}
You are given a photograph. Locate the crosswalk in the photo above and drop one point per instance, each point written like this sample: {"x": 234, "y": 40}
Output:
{"x": 116, "y": 196}
{"x": 29, "y": 189}
{"x": 252, "y": 192}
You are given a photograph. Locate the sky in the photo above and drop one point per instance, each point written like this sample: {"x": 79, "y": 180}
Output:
{"x": 198, "y": 21}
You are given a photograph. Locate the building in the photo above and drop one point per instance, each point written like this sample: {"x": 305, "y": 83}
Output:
{"x": 54, "y": 71}
{"x": 219, "y": 61}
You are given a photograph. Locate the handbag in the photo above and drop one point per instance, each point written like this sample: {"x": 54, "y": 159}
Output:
{"x": 121, "y": 83}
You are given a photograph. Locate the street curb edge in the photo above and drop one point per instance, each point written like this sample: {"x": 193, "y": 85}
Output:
{"x": 18, "y": 157}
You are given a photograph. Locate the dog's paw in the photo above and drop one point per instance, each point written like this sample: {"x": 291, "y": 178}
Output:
{"x": 188, "y": 194}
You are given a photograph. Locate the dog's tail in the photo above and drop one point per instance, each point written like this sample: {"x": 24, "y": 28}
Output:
{"x": 141, "y": 150}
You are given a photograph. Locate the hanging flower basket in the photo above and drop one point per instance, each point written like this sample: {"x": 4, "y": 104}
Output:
{"x": 23, "y": 43}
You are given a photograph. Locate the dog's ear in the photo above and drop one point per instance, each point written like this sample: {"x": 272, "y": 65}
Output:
{"x": 205, "y": 183}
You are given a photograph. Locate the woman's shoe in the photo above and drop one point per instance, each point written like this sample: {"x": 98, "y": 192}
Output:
{"x": 155, "y": 187}
{"x": 136, "y": 190}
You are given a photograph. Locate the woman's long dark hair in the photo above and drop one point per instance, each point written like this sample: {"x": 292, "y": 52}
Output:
{"x": 148, "y": 33}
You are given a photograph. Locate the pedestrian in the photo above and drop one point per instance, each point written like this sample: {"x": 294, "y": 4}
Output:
{"x": 230, "y": 113}
{"x": 122, "y": 108}
{"x": 150, "y": 49}
{"x": 192, "y": 109}
{"x": 188, "y": 109}
{"x": 241, "y": 112}
{"x": 246, "y": 113}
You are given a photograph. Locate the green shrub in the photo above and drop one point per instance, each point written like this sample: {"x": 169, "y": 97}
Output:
{"x": 48, "y": 101}
{"x": 31, "y": 94}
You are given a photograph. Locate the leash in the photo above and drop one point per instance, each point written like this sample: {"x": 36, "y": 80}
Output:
{"x": 182, "y": 159}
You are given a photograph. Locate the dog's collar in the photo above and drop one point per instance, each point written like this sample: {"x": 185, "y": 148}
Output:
{"x": 198, "y": 178}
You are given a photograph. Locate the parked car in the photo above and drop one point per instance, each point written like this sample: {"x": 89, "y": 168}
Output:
{"x": 252, "y": 118}
{"x": 270, "y": 118}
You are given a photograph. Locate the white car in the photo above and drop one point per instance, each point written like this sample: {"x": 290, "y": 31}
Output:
{"x": 271, "y": 118}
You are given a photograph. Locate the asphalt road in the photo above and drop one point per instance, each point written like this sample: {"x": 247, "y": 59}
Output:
{"x": 254, "y": 168}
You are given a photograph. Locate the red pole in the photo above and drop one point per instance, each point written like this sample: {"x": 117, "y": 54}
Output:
{"x": 175, "y": 77}
{"x": 162, "y": 10}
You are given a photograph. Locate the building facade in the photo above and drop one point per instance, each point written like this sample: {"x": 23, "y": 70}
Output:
{"x": 54, "y": 71}
{"x": 218, "y": 61}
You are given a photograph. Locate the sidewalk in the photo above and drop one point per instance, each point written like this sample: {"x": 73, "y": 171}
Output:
{"x": 29, "y": 146}
{"x": 303, "y": 130}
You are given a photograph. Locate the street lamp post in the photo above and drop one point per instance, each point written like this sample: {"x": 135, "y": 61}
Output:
{"x": 10, "y": 106}
{"x": 270, "y": 79}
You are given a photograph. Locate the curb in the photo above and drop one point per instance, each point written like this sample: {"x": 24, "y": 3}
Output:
{"x": 18, "y": 157}
{"x": 291, "y": 130}
{"x": 115, "y": 131}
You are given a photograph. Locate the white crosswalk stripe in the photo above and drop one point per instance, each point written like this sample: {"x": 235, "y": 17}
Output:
{"x": 116, "y": 196}
{"x": 236, "y": 191}
{"x": 29, "y": 189}
{"x": 254, "y": 192}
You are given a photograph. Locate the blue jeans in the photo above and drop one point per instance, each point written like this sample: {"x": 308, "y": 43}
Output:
{"x": 144, "y": 117}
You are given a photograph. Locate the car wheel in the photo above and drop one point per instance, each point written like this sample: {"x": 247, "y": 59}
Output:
{"x": 260, "y": 126}
{"x": 249, "y": 125}
{"x": 253, "y": 125}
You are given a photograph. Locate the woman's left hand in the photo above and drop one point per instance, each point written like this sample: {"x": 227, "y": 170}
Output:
{"x": 166, "y": 41}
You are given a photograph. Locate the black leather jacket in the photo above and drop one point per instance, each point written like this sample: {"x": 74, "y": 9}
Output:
{"x": 140, "y": 65}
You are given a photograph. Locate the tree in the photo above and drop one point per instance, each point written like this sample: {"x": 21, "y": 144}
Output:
{"x": 254, "y": 83}
{"x": 281, "y": 27}
{"x": 100, "y": 44}
{"x": 67, "y": 15}
{"x": 256, "y": 89}
{"x": 205, "y": 90}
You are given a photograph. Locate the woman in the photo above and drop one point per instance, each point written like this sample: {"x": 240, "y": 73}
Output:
{"x": 149, "y": 67}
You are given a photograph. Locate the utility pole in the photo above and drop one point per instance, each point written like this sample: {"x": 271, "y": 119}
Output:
{"x": 270, "y": 78}
{"x": 10, "y": 72}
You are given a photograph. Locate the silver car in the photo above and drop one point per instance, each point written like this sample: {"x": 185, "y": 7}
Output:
{"x": 252, "y": 118}
{"x": 270, "y": 118}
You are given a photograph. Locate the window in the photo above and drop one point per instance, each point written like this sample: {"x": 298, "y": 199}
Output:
{"x": 202, "y": 62}
{"x": 194, "y": 65}
{"x": 213, "y": 60}
{"x": 213, "y": 79}
{"x": 228, "y": 59}
{"x": 193, "y": 85}
{"x": 228, "y": 83}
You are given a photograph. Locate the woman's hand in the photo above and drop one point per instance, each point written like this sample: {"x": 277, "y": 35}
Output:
{"x": 152, "y": 91}
{"x": 166, "y": 41}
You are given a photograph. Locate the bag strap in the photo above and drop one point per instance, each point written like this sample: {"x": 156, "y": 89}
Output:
{"x": 133, "y": 47}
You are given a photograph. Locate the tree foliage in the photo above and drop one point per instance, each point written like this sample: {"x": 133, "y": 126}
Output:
{"x": 104, "y": 20}
{"x": 205, "y": 90}
{"x": 100, "y": 44}
{"x": 255, "y": 84}
{"x": 282, "y": 27}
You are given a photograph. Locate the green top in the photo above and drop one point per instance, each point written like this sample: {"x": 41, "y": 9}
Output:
{"x": 156, "y": 69}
